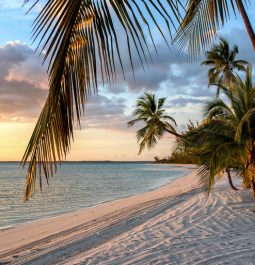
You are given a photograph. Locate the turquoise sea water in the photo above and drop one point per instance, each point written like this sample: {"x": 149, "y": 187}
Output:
{"x": 77, "y": 185}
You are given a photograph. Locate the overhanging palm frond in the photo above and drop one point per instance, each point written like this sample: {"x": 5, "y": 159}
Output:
{"x": 215, "y": 159}
{"x": 80, "y": 41}
{"x": 246, "y": 119}
{"x": 213, "y": 144}
{"x": 202, "y": 20}
{"x": 217, "y": 107}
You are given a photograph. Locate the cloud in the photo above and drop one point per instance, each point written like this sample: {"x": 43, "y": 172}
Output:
{"x": 11, "y": 55}
{"x": 150, "y": 76}
{"x": 23, "y": 82}
{"x": 172, "y": 73}
{"x": 241, "y": 39}
{"x": 24, "y": 64}
{"x": 118, "y": 88}
{"x": 102, "y": 112}
{"x": 20, "y": 98}
{"x": 168, "y": 72}
{"x": 183, "y": 101}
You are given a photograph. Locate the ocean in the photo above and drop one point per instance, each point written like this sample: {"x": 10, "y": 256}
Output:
{"x": 78, "y": 185}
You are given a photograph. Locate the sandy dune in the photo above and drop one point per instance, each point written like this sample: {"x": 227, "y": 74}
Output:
{"x": 176, "y": 224}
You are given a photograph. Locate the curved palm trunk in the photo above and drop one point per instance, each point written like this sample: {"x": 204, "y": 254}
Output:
{"x": 175, "y": 134}
{"x": 253, "y": 186}
{"x": 246, "y": 22}
{"x": 230, "y": 180}
{"x": 252, "y": 180}
{"x": 218, "y": 87}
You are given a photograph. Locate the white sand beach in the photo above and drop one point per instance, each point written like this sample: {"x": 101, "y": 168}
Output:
{"x": 175, "y": 224}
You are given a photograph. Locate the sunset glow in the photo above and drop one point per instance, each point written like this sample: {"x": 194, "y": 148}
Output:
{"x": 104, "y": 134}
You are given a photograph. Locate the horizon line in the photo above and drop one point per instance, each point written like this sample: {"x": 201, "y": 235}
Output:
{"x": 84, "y": 161}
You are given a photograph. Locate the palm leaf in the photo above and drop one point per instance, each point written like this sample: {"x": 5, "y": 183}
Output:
{"x": 199, "y": 26}
{"x": 150, "y": 112}
{"x": 79, "y": 40}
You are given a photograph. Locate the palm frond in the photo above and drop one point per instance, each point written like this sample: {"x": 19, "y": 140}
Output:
{"x": 150, "y": 112}
{"x": 244, "y": 121}
{"x": 79, "y": 40}
{"x": 167, "y": 117}
{"x": 216, "y": 107}
{"x": 134, "y": 121}
{"x": 161, "y": 102}
{"x": 222, "y": 59}
{"x": 202, "y": 20}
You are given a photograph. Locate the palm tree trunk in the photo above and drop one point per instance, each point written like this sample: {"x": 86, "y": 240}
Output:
{"x": 218, "y": 87}
{"x": 175, "y": 134}
{"x": 246, "y": 22}
{"x": 218, "y": 92}
{"x": 230, "y": 180}
{"x": 252, "y": 181}
{"x": 253, "y": 186}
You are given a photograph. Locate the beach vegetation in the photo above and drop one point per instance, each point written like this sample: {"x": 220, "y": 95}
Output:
{"x": 150, "y": 112}
{"x": 226, "y": 138}
{"x": 178, "y": 157}
{"x": 80, "y": 41}
{"x": 222, "y": 60}
{"x": 224, "y": 141}
{"x": 213, "y": 145}
{"x": 181, "y": 154}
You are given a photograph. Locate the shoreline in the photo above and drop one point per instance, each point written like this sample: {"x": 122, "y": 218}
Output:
{"x": 13, "y": 237}
{"x": 81, "y": 208}
{"x": 178, "y": 223}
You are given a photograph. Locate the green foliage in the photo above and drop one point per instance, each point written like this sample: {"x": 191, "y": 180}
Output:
{"x": 179, "y": 157}
{"x": 225, "y": 139}
{"x": 223, "y": 61}
{"x": 214, "y": 147}
{"x": 201, "y": 22}
{"x": 150, "y": 112}
{"x": 79, "y": 39}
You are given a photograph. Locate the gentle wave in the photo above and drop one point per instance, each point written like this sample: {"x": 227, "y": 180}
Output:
{"x": 76, "y": 186}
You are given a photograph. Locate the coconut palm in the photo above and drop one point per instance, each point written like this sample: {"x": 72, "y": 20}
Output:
{"x": 80, "y": 41}
{"x": 151, "y": 113}
{"x": 224, "y": 63}
{"x": 226, "y": 138}
{"x": 202, "y": 20}
{"x": 239, "y": 114}
{"x": 212, "y": 143}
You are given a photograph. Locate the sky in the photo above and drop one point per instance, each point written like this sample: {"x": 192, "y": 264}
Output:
{"x": 104, "y": 134}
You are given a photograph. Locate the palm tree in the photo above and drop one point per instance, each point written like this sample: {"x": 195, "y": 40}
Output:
{"x": 239, "y": 114}
{"x": 226, "y": 138}
{"x": 202, "y": 20}
{"x": 224, "y": 63}
{"x": 151, "y": 113}
{"x": 212, "y": 143}
{"x": 80, "y": 41}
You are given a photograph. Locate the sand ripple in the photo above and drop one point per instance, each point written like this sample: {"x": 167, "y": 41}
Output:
{"x": 190, "y": 228}
{"x": 218, "y": 230}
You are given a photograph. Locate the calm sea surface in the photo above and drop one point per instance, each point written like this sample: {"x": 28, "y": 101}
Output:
{"x": 77, "y": 185}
